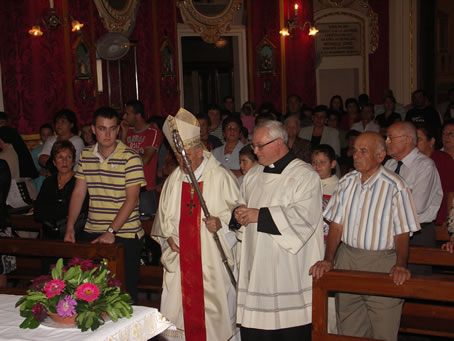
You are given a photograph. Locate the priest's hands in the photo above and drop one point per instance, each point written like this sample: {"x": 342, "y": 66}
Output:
{"x": 245, "y": 215}
{"x": 173, "y": 246}
{"x": 399, "y": 274}
{"x": 213, "y": 224}
{"x": 318, "y": 269}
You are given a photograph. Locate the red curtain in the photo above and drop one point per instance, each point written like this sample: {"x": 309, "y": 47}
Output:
{"x": 299, "y": 53}
{"x": 379, "y": 61}
{"x": 300, "y": 56}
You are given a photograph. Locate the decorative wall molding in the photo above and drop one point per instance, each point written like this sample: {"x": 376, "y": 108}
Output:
{"x": 119, "y": 17}
{"x": 210, "y": 28}
{"x": 324, "y": 8}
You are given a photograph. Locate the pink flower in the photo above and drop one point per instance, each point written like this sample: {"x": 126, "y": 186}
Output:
{"x": 88, "y": 292}
{"x": 66, "y": 306}
{"x": 54, "y": 287}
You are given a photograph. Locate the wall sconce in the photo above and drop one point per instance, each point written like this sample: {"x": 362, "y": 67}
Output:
{"x": 294, "y": 23}
{"x": 221, "y": 43}
{"x": 52, "y": 21}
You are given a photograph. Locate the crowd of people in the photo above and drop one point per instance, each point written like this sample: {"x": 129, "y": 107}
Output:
{"x": 287, "y": 196}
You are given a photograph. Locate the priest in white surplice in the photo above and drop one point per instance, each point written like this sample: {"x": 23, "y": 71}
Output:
{"x": 198, "y": 296}
{"x": 280, "y": 215}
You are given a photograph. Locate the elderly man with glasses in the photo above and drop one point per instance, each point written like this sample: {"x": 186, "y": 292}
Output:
{"x": 421, "y": 174}
{"x": 280, "y": 224}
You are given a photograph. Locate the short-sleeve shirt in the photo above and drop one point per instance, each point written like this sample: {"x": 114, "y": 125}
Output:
{"x": 150, "y": 137}
{"x": 77, "y": 142}
{"x": 373, "y": 212}
{"x": 229, "y": 161}
{"x": 107, "y": 180}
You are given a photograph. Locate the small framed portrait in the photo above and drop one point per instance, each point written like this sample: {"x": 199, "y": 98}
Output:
{"x": 265, "y": 57}
{"x": 83, "y": 63}
{"x": 167, "y": 65}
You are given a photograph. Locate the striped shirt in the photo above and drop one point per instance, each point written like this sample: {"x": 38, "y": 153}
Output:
{"x": 371, "y": 214}
{"x": 107, "y": 180}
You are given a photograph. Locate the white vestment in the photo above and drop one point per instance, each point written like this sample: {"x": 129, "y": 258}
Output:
{"x": 220, "y": 191}
{"x": 274, "y": 287}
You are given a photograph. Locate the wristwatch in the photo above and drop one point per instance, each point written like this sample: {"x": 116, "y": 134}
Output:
{"x": 111, "y": 230}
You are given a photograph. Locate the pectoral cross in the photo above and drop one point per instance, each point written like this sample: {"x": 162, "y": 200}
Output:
{"x": 190, "y": 205}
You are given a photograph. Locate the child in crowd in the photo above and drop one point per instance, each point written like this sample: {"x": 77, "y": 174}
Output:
{"x": 247, "y": 160}
{"x": 324, "y": 163}
{"x": 247, "y": 116}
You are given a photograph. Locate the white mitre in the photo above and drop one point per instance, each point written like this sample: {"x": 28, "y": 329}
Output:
{"x": 187, "y": 126}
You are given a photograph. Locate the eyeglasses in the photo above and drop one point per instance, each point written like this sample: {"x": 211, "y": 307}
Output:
{"x": 390, "y": 139}
{"x": 261, "y": 146}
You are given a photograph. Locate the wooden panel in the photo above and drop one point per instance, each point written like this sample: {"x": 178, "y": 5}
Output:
{"x": 114, "y": 253}
{"x": 431, "y": 318}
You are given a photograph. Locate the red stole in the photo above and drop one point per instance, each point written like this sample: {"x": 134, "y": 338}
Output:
{"x": 191, "y": 265}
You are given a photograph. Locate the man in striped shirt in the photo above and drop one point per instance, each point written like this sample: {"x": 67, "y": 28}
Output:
{"x": 113, "y": 175}
{"x": 371, "y": 215}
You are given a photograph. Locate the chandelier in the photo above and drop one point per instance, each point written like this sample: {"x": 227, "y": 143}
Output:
{"x": 295, "y": 22}
{"x": 51, "y": 20}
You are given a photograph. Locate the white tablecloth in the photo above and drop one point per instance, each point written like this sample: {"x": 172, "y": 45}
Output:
{"x": 143, "y": 325}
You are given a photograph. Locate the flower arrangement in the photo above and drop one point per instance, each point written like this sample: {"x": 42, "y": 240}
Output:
{"x": 83, "y": 290}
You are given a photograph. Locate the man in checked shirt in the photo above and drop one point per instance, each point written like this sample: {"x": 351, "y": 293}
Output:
{"x": 371, "y": 216}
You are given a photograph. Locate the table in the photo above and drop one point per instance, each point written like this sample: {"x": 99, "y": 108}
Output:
{"x": 143, "y": 325}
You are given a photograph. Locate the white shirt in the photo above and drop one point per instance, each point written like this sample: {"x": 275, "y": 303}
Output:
{"x": 75, "y": 140}
{"x": 420, "y": 173}
{"x": 373, "y": 212}
{"x": 371, "y": 126}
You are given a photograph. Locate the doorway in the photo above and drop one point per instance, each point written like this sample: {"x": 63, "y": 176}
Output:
{"x": 207, "y": 74}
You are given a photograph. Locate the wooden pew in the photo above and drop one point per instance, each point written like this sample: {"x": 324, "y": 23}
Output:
{"x": 441, "y": 233}
{"x": 114, "y": 254}
{"x": 432, "y": 314}
{"x": 26, "y": 223}
{"x": 150, "y": 275}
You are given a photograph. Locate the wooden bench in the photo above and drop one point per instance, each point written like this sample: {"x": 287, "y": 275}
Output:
{"x": 428, "y": 309}
{"x": 150, "y": 275}
{"x": 441, "y": 233}
{"x": 114, "y": 254}
{"x": 26, "y": 223}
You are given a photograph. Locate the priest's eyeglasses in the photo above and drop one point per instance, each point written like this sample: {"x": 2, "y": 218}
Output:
{"x": 261, "y": 146}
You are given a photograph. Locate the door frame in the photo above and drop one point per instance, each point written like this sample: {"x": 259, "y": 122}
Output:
{"x": 239, "y": 61}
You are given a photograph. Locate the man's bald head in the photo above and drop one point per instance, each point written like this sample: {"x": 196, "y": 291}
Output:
{"x": 368, "y": 154}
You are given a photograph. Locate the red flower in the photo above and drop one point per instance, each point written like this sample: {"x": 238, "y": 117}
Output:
{"x": 39, "y": 312}
{"x": 54, "y": 287}
{"x": 39, "y": 282}
{"x": 88, "y": 292}
{"x": 85, "y": 264}
{"x": 113, "y": 282}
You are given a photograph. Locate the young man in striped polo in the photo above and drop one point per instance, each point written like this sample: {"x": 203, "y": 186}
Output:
{"x": 113, "y": 174}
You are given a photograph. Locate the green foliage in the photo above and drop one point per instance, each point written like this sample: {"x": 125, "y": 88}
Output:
{"x": 90, "y": 312}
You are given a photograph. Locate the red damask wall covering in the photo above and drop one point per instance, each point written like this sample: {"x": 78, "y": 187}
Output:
{"x": 38, "y": 74}
{"x": 38, "y": 77}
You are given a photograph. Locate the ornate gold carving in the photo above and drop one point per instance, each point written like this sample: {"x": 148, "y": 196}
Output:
{"x": 118, "y": 20}
{"x": 210, "y": 28}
